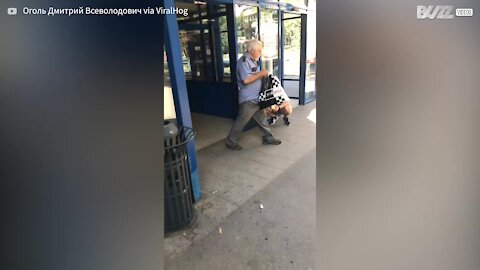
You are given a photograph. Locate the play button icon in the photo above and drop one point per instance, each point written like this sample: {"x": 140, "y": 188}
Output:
{"x": 12, "y": 11}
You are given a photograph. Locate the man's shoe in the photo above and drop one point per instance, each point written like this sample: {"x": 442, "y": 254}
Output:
{"x": 234, "y": 146}
{"x": 272, "y": 120}
{"x": 285, "y": 119}
{"x": 272, "y": 141}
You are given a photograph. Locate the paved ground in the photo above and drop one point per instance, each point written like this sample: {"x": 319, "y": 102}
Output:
{"x": 231, "y": 185}
{"x": 279, "y": 236}
{"x": 211, "y": 129}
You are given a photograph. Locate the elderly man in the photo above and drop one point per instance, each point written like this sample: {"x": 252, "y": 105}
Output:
{"x": 249, "y": 83}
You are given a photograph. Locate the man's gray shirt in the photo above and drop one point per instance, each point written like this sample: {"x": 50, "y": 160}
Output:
{"x": 246, "y": 67}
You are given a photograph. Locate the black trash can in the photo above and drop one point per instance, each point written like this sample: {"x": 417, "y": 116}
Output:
{"x": 179, "y": 211}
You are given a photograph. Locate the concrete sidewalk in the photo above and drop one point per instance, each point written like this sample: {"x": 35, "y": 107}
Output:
{"x": 279, "y": 236}
{"x": 231, "y": 178}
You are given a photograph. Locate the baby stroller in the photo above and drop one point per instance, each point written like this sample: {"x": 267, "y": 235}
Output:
{"x": 274, "y": 100}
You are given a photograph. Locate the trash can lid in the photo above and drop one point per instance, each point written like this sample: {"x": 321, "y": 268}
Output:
{"x": 185, "y": 135}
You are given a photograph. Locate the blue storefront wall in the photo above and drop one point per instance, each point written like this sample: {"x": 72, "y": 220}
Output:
{"x": 213, "y": 98}
{"x": 217, "y": 97}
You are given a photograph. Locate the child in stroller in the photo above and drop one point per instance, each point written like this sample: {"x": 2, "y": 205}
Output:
{"x": 275, "y": 111}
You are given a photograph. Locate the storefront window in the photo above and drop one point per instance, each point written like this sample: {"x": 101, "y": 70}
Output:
{"x": 269, "y": 37}
{"x": 209, "y": 70}
{"x": 292, "y": 37}
{"x": 287, "y": 15}
{"x": 221, "y": 8}
{"x": 196, "y": 54}
{"x": 225, "y": 49}
{"x": 185, "y": 55}
{"x": 247, "y": 25}
{"x": 292, "y": 40}
{"x": 222, "y": 23}
{"x": 310, "y": 88}
{"x": 202, "y": 59}
{"x": 296, "y": 2}
{"x": 202, "y": 9}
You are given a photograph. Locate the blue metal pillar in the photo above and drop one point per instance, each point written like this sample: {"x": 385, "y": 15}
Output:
{"x": 281, "y": 44}
{"x": 259, "y": 23}
{"x": 233, "y": 53}
{"x": 179, "y": 89}
{"x": 259, "y": 33}
{"x": 303, "y": 58}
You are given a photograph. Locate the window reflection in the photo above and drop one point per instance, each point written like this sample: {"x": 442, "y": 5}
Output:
{"x": 185, "y": 55}
{"x": 222, "y": 21}
{"x": 296, "y": 2}
{"x": 310, "y": 87}
{"x": 292, "y": 40}
{"x": 247, "y": 25}
{"x": 269, "y": 37}
{"x": 204, "y": 43}
{"x": 196, "y": 54}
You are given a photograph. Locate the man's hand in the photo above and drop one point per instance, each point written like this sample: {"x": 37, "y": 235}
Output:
{"x": 263, "y": 73}
{"x": 256, "y": 76}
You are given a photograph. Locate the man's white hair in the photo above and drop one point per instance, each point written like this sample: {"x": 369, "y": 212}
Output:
{"x": 253, "y": 44}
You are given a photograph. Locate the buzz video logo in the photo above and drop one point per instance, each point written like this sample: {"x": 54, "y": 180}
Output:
{"x": 434, "y": 12}
{"x": 442, "y": 12}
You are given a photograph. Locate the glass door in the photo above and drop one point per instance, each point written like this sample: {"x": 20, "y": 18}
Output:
{"x": 247, "y": 26}
{"x": 311, "y": 48}
{"x": 196, "y": 52}
{"x": 269, "y": 37}
{"x": 292, "y": 38}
